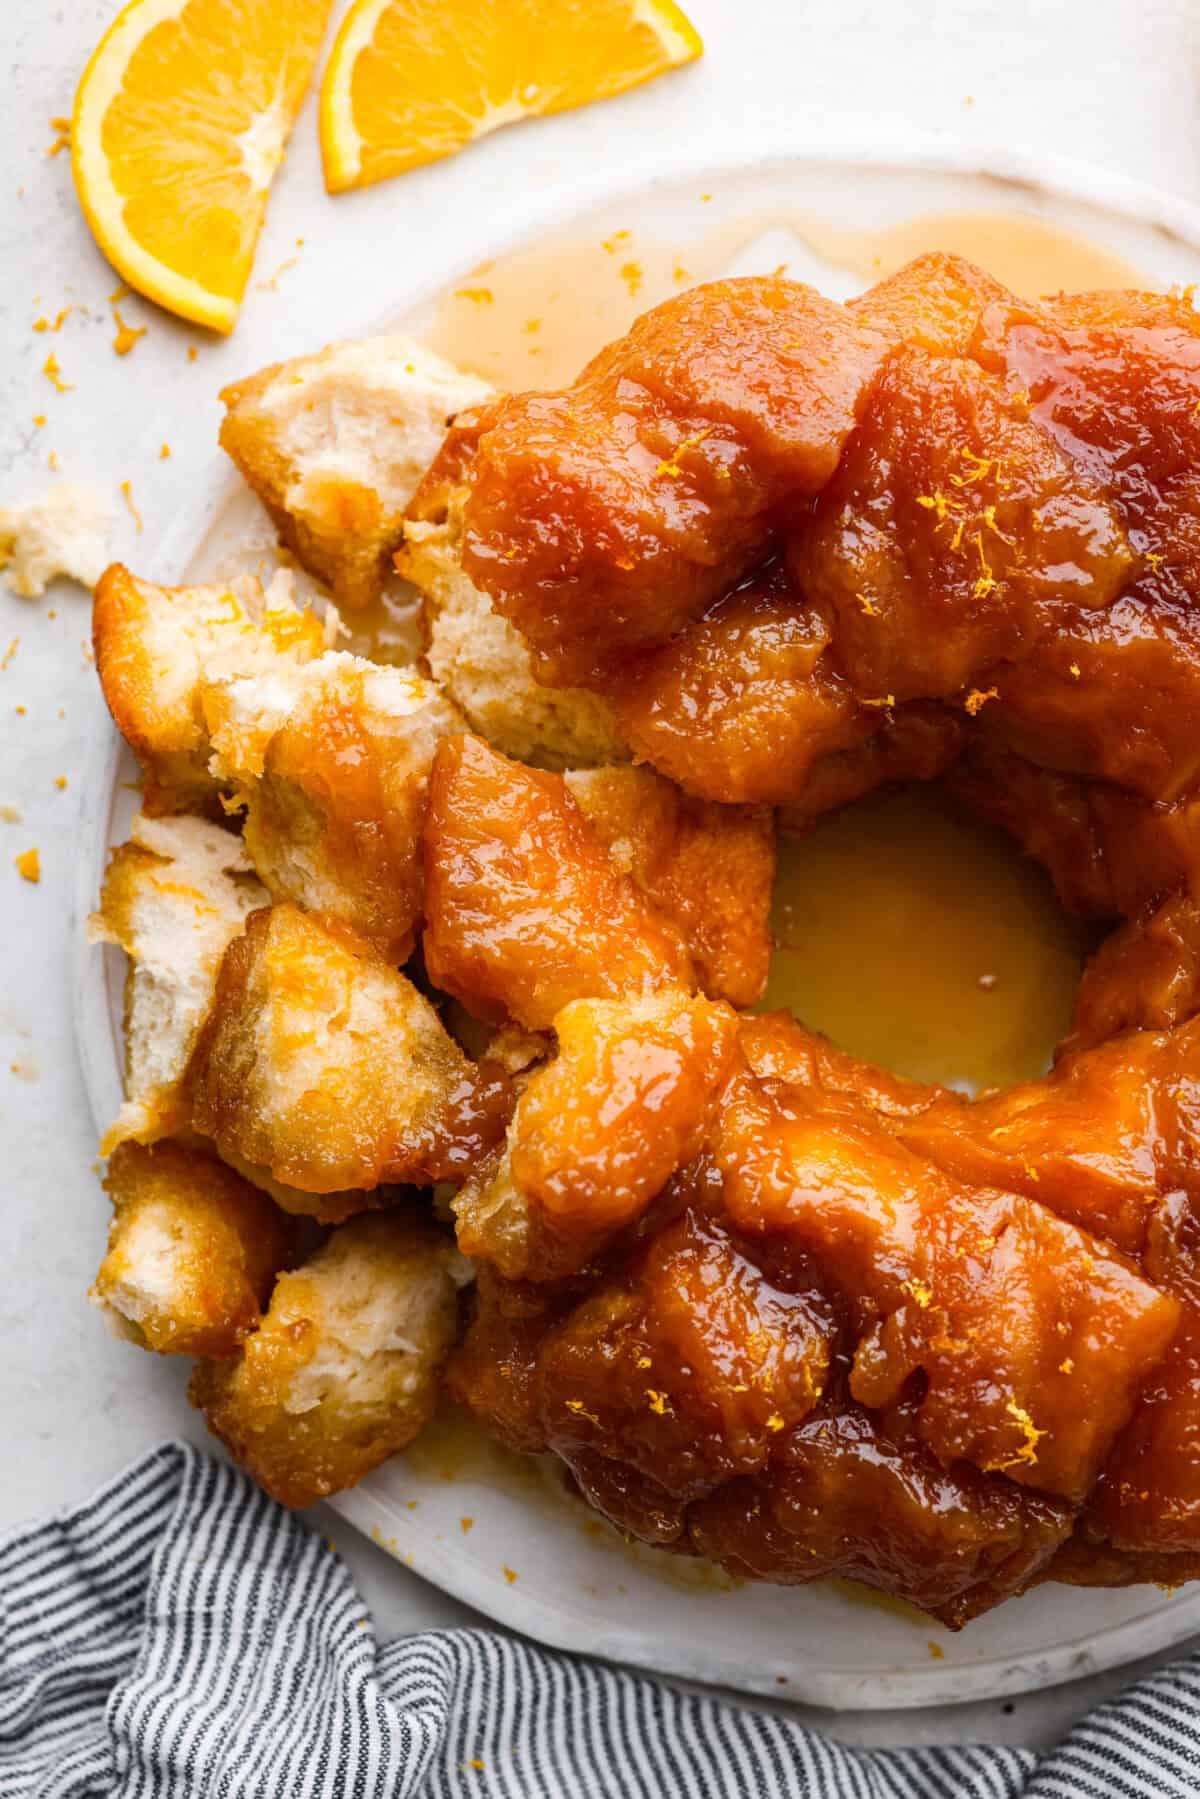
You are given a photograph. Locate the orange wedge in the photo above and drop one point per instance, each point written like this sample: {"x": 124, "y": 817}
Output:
{"x": 180, "y": 124}
{"x": 411, "y": 80}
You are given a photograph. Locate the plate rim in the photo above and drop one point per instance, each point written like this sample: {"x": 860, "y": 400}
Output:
{"x": 1060, "y": 179}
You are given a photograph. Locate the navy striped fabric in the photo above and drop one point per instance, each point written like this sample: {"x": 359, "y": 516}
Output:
{"x": 181, "y": 1635}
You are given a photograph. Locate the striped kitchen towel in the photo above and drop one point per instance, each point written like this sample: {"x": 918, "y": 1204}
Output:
{"x": 181, "y": 1635}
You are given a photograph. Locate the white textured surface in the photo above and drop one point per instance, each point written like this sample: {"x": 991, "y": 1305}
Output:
{"x": 1101, "y": 81}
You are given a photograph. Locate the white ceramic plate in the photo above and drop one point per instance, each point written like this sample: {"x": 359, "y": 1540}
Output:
{"x": 499, "y": 1533}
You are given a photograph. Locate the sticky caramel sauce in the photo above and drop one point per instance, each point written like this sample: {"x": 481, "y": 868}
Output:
{"x": 533, "y": 318}
{"x": 920, "y": 938}
{"x": 1028, "y": 254}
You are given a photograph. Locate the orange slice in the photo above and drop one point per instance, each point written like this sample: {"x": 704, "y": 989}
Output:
{"x": 411, "y": 80}
{"x": 180, "y": 124}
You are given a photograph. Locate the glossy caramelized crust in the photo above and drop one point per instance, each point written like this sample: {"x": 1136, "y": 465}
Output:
{"x": 1096, "y": 1140}
{"x": 598, "y": 1132}
{"x": 154, "y": 646}
{"x": 602, "y": 518}
{"x": 708, "y": 868}
{"x": 952, "y": 533}
{"x": 746, "y": 700}
{"x": 850, "y": 1496}
{"x": 1006, "y": 517}
{"x": 918, "y": 742}
{"x": 525, "y": 910}
{"x": 934, "y": 302}
{"x": 689, "y": 1365}
{"x": 1113, "y": 380}
{"x": 1145, "y": 976}
{"x": 324, "y": 1066}
{"x": 1110, "y": 852}
{"x": 695, "y": 1377}
{"x": 1032, "y": 1337}
{"x": 1148, "y": 1500}
{"x": 193, "y": 1251}
{"x": 342, "y": 1372}
{"x": 331, "y": 764}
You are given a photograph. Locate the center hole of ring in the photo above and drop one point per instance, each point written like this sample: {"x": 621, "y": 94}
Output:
{"x": 922, "y": 939}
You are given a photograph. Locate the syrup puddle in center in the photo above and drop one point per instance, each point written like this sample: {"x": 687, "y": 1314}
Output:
{"x": 920, "y": 938}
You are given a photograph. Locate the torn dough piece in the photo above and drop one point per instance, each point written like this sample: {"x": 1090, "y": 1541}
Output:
{"x": 334, "y": 445}
{"x": 709, "y": 868}
{"x": 323, "y": 1065}
{"x": 524, "y": 907}
{"x": 343, "y": 1370}
{"x": 331, "y": 761}
{"x": 484, "y": 664}
{"x": 193, "y": 1251}
{"x": 156, "y": 646}
{"x": 64, "y": 531}
{"x": 597, "y": 1132}
{"x": 173, "y": 898}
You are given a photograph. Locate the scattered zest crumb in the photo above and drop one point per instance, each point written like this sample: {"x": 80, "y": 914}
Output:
{"x": 193, "y": 352}
{"x": 465, "y": 1524}
{"x": 612, "y": 244}
{"x": 978, "y": 698}
{"x": 60, "y": 781}
{"x": 936, "y": 1651}
{"x": 631, "y": 275}
{"x": 270, "y": 284}
{"x": 164, "y": 453}
{"x": 39, "y": 419}
{"x": 127, "y": 335}
{"x": 480, "y": 296}
{"x": 52, "y": 462}
{"x": 53, "y": 374}
{"x": 9, "y": 653}
{"x": 57, "y": 324}
{"x": 510, "y": 1575}
{"x": 12, "y": 815}
{"x": 29, "y": 866}
{"x": 127, "y": 492}
{"x": 1075, "y": 671}
{"x": 657, "y": 1401}
{"x": 63, "y": 140}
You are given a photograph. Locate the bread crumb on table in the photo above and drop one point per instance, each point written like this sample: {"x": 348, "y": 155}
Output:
{"x": 64, "y": 531}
